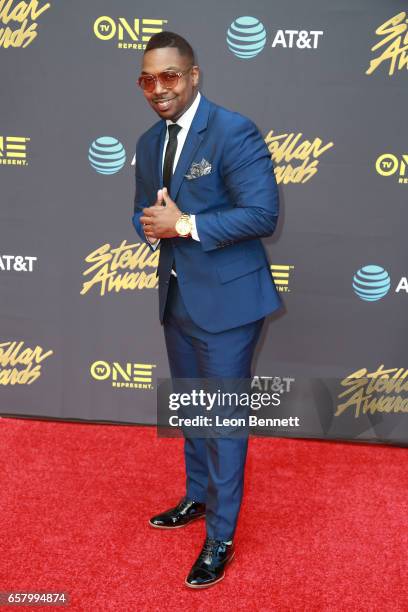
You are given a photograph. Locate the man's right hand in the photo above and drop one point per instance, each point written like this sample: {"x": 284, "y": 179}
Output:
{"x": 158, "y": 202}
{"x": 160, "y": 199}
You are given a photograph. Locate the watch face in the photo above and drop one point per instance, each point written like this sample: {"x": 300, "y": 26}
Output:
{"x": 183, "y": 226}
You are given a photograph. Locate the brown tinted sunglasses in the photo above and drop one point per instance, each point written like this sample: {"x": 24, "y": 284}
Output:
{"x": 168, "y": 79}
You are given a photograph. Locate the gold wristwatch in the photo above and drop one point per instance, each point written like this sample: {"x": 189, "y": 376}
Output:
{"x": 184, "y": 225}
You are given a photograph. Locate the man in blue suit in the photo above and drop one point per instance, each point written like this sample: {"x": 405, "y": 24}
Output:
{"x": 205, "y": 194}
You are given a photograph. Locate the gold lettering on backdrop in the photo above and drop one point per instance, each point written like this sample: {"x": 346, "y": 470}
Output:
{"x": 395, "y": 32}
{"x": 19, "y": 12}
{"x": 107, "y": 264}
{"x": 286, "y": 149}
{"x": 20, "y": 365}
{"x": 374, "y": 392}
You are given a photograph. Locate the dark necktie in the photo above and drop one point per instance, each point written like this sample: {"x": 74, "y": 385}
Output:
{"x": 170, "y": 154}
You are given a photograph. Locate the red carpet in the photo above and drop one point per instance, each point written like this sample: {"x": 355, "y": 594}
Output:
{"x": 323, "y": 525}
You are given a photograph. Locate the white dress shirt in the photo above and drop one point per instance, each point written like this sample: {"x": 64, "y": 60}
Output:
{"x": 184, "y": 122}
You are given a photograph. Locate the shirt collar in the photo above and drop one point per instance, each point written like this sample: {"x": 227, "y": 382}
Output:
{"x": 186, "y": 118}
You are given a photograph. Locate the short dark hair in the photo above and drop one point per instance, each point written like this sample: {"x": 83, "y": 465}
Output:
{"x": 171, "y": 39}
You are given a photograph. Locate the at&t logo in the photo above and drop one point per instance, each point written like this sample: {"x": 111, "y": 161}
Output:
{"x": 107, "y": 155}
{"x": 17, "y": 263}
{"x": 246, "y": 37}
{"x": 371, "y": 283}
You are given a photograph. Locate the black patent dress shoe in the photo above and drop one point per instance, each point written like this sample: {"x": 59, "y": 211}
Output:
{"x": 186, "y": 511}
{"x": 210, "y": 565}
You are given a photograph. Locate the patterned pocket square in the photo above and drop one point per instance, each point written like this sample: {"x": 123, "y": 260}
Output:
{"x": 199, "y": 169}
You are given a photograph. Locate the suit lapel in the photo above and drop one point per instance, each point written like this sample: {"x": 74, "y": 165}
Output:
{"x": 158, "y": 145}
{"x": 194, "y": 137}
{"x": 191, "y": 144}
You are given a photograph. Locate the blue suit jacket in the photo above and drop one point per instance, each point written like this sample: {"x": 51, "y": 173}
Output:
{"x": 225, "y": 279}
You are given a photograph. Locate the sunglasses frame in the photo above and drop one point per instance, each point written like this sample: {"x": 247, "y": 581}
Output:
{"x": 156, "y": 77}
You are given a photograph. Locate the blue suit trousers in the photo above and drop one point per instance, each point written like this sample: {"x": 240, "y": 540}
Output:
{"x": 214, "y": 466}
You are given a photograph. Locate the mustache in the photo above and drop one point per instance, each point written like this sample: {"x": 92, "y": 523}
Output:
{"x": 163, "y": 99}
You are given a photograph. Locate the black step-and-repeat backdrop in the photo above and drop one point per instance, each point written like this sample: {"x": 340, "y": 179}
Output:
{"x": 327, "y": 85}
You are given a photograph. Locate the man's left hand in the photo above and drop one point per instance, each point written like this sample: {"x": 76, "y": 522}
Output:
{"x": 160, "y": 221}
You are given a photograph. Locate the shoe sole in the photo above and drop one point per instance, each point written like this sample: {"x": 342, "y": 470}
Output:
{"x": 196, "y": 518}
{"x": 207, "y": 586}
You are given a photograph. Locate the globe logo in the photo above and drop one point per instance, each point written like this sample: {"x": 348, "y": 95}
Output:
{"x": 246, "y": 37}
{"x": 371, "y": 283}
{"x": 107, "y": 155}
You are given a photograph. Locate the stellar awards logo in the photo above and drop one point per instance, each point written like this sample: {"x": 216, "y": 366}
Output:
{"x": 127, "y": 266}
{"x": 20, "y": 13}
{"x": 393, "y": 45}
{"x": 19, "y": 364}
{"x": 295, "y": 160}
{"x": 381, "y": 391}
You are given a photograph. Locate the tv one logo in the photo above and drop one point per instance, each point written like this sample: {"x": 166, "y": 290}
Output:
{"x": 13, "y": 150}
{"x": 371, "y": 283}
{"x": 124, "y": 376}
{"x": 133, "y": 34}
{"x": 281, "y": 274}
{"x": 246, "y": 38}
{"x": 391, "y": 165}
